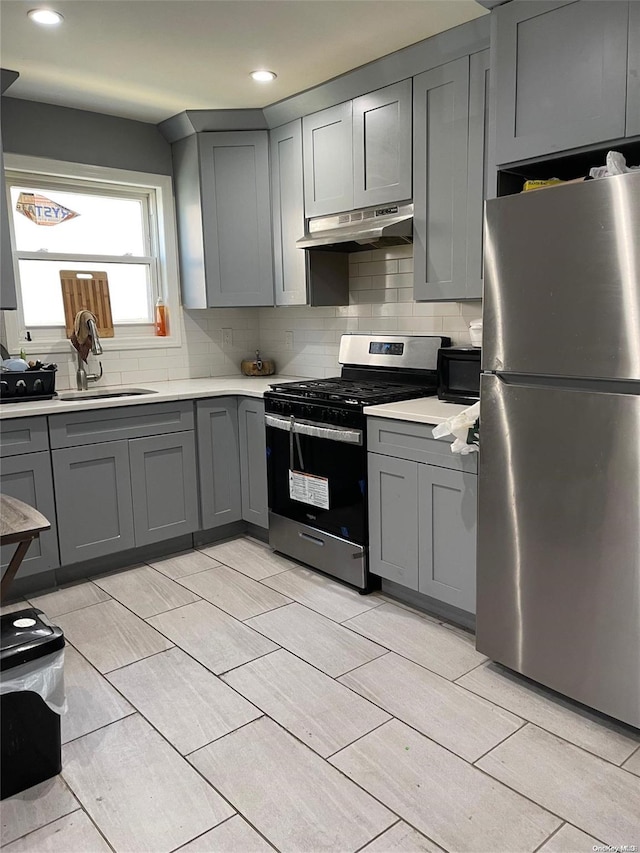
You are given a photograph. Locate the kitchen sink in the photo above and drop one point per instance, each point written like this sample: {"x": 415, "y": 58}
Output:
{"x": 103, "y": 395}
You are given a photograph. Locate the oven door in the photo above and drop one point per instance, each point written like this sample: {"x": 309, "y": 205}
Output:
{"x": 317, "y": 475}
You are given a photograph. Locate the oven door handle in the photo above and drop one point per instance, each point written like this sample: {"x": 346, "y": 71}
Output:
{"x": 342, "y": 434}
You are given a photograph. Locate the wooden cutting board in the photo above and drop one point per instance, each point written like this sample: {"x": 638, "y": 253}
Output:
{"x": 91, "y": 294}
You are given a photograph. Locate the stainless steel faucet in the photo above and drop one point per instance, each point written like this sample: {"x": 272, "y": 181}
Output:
{"x": 82, "y": 377}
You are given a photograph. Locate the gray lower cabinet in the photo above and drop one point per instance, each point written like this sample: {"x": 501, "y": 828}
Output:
{"x": 448, "y": 504}
{"x": 382, "y": 146}
{"x": 561, "y": 75}
{"x": 224, "y": 219}
{"x": 164, "y": 486}
{"x": 253, "y": 462}
{"x": 93, "y": 500}
{"x": 422, "y": 512}
{"x": 124, "y": 477}
{"x": 219, "y": 461}
{"x": 393, "y": 519}
{"x": 450, "y": 120}
{"x": 28, "y": 478}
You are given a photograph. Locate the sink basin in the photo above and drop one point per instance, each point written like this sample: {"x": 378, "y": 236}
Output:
{"x": 97, "y": 394}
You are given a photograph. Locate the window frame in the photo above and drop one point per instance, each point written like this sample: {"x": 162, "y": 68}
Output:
{"x": 160, "y": 237}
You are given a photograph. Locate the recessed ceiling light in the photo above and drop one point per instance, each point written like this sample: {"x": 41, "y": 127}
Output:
{"x": 45, "y": 16}
{"x": 263, "y": 76}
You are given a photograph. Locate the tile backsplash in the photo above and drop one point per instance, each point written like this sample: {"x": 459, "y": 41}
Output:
{"x": 381, "y": 300}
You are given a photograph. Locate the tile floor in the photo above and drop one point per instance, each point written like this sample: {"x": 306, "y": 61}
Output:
{"x": 227, "y": 700}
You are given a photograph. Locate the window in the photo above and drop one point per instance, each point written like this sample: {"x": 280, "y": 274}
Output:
{"x": 90, "y": 220}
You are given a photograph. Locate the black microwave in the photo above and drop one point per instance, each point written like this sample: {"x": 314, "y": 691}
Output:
{"x": 459, "y": 374}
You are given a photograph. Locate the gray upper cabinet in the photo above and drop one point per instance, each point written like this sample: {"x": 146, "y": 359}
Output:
{"x": 253, "y": 462}
{"x": 224, "y": 219}
{"x": 358, "y": 154}
{"x": 440, "y": 173}
{"x": 164, "y": 486}
{"x": 219, "y": 461}
{"x": 328, "y": 160}
{"x": 448, "y": 502}
{"x": 477, "y": 170}
{"x": 633, "y": 77}
{"x": 561, "y": 75}
{"x": 287, "y": 200}
{"x": 28, "y": 478}
{"x": 8, "y": 301}
{"x": 382, "y": 146}
{"x": 93, "y": 500}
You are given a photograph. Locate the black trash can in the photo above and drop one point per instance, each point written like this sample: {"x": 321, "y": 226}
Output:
{"x": 30, "y": 730}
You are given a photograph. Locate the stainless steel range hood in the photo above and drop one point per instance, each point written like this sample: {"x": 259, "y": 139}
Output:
{"x": 359, "y": 230}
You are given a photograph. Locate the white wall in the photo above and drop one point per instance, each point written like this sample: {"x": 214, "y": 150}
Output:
{"x": 381, "y": 300}
{"x": 380, "y": 296}
{"x": 201, "y": 354}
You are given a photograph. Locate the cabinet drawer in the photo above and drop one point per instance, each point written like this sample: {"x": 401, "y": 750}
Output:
{"x": 101, "y": 425}
{"x": 23, "y": 435}
{"x": 407, "y": 440}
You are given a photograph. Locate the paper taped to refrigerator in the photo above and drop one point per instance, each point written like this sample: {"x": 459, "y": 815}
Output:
{"x": 309, "y": 489}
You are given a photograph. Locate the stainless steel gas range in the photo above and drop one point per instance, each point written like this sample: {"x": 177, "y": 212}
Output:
{"x": 317, "y": 449}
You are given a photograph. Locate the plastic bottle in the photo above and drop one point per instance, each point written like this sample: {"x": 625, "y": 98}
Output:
{"x": 161, "y": 318}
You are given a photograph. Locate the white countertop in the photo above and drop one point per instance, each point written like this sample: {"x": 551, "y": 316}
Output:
{"x": 178, "y": 389}
{"x": 425, "y": 410}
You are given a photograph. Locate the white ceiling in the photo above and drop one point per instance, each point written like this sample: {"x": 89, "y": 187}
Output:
{"x": 151, "y": 59}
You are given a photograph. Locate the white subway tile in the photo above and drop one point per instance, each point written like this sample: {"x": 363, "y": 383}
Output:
{"x": 379, "y": 324}
{"x": 378, "y": 268}
{"x": 392, "y": 253}
{"x": 420, "y": 325}
{"x": 370, "y": 296}
{"x": 436, "y": 309}
{"x": 392, "y": 309}
{"x": 359, "y": 257}
{"x": 362, "y": 282}
{"x": 405, "y": 264}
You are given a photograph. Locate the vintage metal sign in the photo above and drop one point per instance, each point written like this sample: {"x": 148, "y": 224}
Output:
{"x": 42, "y": 210}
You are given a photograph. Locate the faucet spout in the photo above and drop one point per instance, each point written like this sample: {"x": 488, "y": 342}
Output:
{"x": 96, "y": 346}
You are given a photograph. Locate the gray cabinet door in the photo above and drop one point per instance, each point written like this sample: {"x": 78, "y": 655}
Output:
{"x": 164, "y": 485}
{"x": 287, "y": 199}
{"x": 236, "y": 217}
{"x": 328, "y": 160}
{"x": 8, "y": 301}
{"x": 440, "y": 137}
{"x": 28, "y": 478}
{"x": 93, "y": 499}
{"x": 633, "y": 71}
{"x": 253, "y": 462}
{"x": 219, "y": 461}
{"x": 448, "y": 522}
{"x": 382, "y": 146}
{"x": 561, "y": 72}
{"x": 477, "y": 169}
{"x": 393, "y": 519}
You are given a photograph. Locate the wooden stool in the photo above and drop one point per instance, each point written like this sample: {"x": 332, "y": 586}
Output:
{"x": 21, "y": 524}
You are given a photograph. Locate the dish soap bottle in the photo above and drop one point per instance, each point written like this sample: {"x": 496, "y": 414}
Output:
{"x": 161, "y": 318}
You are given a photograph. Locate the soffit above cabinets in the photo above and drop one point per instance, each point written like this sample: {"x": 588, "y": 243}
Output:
{"x": 151, "y": 60}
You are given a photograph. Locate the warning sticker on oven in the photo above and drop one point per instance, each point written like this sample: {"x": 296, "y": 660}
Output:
{"x": 309, "y": 489}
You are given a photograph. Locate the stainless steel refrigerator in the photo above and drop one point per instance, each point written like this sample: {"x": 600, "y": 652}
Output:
{"x": 559, "y": 493}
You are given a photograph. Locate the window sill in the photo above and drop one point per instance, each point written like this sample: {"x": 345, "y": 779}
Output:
{"x": 55, "y": 346}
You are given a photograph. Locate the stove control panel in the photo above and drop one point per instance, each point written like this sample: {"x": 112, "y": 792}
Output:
{"x": 317, "y": 412}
